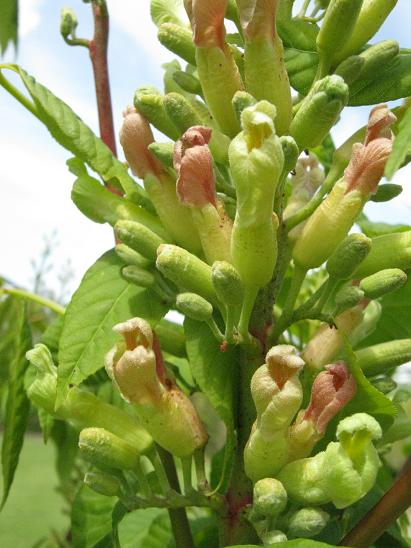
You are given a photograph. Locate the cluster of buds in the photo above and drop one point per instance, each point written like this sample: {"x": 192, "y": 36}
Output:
{"x": 277, "y": 395}
{"x": 135, "y": 366}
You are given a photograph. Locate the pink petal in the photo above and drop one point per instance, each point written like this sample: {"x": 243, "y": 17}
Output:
{"x": 258, "y": 17}
{"x": 207, "y": 20}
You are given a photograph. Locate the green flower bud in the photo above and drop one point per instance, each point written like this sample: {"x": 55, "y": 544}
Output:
{"x": 265, "y": 73}
{"x": 343, "y": 473}
{"x": 130, "y": 256}
{"x": 105, "y": 450}
{"x": 319, "y": 111}
{"x": 348, "y": 255}
{"x": 383, "y": 282}
{"x": 274, "y": 537}
{"x": 187, "y": 271}
{"x": 216, "y": 67}
{"x": 336, "y": 28}
{"x": 348, "y": 297}
{"x": 181, "y": 112}
{"x": 307, "y": 523}
{"x": 386, "y": 192}
{"x": 150, "y": 103}
{"x": 195, "y": 307}
{"x": 277, "y": 395}
{"x": 372, "y": 15}
{"x": 178, "y": 40}
{"x": 141, "y": 378}
{"x": 139, "y": 238}
{"x": 227, "y": 284}
{"x": 167, "y": 11}
{"x": 327, "y": 341}
{"x": 102, "y": 206}
{"x": 80, "y": 408}
{"x": 384, "y": 384}
{"x": 241, "y": 101}
{"x": 269, "y": 497}
{"x": 105, "y": 484}
{"x": 171, "y": 337}
{"x": 387, "y": 251}
{"x": 350, "y": 69}
{"x": 290, "y": 152}
{"x": 256, "y": 161}
{"x": 163, "y": 152}
{"x": 138, "y": 276}
{"x": 368, "y": 324}
{"x": 68, "y": 22}
{"x": 188, "y": 82}
{"x": 382, "y": 357}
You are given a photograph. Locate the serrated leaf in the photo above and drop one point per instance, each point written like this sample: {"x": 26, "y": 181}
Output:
{"x": 9, "y": 18}
{"x": 213, "y": 371}
{"x": 90, "y": 517}
{"x": 395, "y": 320}
{"x": 17, "y": 405}
{"x": 391, "y": 83}
{"x": 103, "y": 299}
{"x": 401, "y": 148}
{"x": 301, "y": 68}
{"x": 74, "y": 135}
{"x": 373, "y": 229}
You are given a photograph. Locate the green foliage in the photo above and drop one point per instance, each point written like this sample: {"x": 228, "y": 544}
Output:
{"x": 103, "y": 299}
{"x": 17, "y": 405}
{"x": 9, "y": 16}
{"x": 402, "y": 146}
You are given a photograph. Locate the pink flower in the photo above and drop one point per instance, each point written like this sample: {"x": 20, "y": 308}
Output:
{"x": 258, "y": 17}
{"x": 194, "y": 165}
{"x": 367, "y": 164}
{"x": 332, "y": 389}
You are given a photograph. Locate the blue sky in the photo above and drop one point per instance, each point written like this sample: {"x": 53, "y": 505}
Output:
{"x": 34, "y": 180}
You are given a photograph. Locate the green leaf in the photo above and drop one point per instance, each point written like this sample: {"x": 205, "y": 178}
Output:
{"x": 401, "y": 148}
{"x": 296, "y": 543}
{"x": 395, "y": 320}
{"x": 74, "y": 135}
{"x": 373, "y": 229}
{"x": 17, "y": 405}
{"x": 9, "y": 18}
{"x": 148, "y": 528}
{"x": 103, "y": 299}
{"x": 391, "y": 83}
{"x": 90, "y": 517}
{"x": 301, "y": 68}
{"x": 213, "y": 370}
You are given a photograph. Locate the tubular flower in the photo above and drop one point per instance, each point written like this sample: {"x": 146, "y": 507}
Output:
{"x": 343, "y": 473}
{"x": 265, "y": 73}
{"x": 162, "y": 407}
{"x": 196, "y": 188}
{"x": 277, "y": 395}
{"x": 337, "y": 213}
{"x": 216, "y": 67}
{"x": 331, "y": 391}
{"x": 135, "y": 138}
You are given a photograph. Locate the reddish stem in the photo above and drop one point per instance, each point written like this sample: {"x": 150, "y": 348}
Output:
{"x": 394, "y": 503}
{"x": 98, "y": 54}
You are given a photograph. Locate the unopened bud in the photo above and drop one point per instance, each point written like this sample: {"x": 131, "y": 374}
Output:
{"x": 387, "y": 251}
{"x": 138, "y": 276}
{"x": 130, "y": 256}
{"x": 241, "y": 101}
{"x": 105, "y": 484}
{"x": 139, "y": 238}
{"x": 163, "y": 152}
{"x": 290, "y": 152}
{"x": 227, "y": 284}
{"x": 348, "y": 256}
{"x": 181, "y": 112}
{"x": 348, "y": 297}
{"x": 164, "y": 11}
{"x": 150, "y": 103}
{"x": 195, "y": 307}
{"x": 386, "y": 192}
{"x": 307, "y": 523}
{"x": 269, "y": 497}
{"x": 187, "y": 271}
{"x": 105, "y": 450}
{"x": 380, "y": 358}
{"x": 68, "y": 22}
{"x": 178, "y": 40}
{"x": 383, "y": 282}
{"x": 350, "y": 69}
{"x": 319, "y": 111}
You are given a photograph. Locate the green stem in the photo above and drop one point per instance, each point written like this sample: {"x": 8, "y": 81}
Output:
{"x": 296, "y": 283}
{"x": 394, "y": 503}
{"x": 303, "y": 9}
{"x": 215, "y": 330}
{"x": 312, "y": 205}
{"x": 178, "y": 516}
{"x": 186, "y": 463}
{"x": 199, "y": 463}
{"x": 142, "y": 480}
{"x": 22, "y": 99}
{"x": 250, "y": 294}
{"x": 326, "y": 294}
{"x": 158, "y": 464}
{"x": 42, "y": 301}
